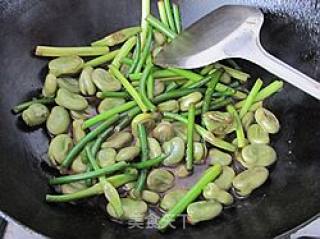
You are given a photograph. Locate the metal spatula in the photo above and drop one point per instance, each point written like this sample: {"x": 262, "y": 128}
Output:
{"x": 230, "y": 32}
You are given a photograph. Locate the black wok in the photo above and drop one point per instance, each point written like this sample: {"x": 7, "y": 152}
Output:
{"x": 291, "y": 195}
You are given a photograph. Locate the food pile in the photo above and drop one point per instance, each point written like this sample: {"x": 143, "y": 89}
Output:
{"x": 148, "y": 138}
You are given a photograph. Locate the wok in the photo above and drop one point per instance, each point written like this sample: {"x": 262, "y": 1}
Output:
{"x": 291, "y": 195}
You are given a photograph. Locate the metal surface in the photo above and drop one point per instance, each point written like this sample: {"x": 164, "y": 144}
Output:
{"x": 3, "y": 224}
{"x": 230, "y": 32}
{"x": 290, "y": 197}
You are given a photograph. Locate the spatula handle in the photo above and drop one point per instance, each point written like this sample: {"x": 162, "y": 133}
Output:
{"x": 277, "y": 67}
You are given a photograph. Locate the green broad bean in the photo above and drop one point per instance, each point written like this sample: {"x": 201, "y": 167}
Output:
{"x": 218, "y": 122}
{"x": 50, "y": 86}
{"x": 147, "y": 119}
{"x": 160, "y": 180}
{"x": 159, "y": 38}
{"x": 133, "y": 210}
{"x": 105, "y": 81}
{"x": 258, "y": 155}
{"x": 181, "y": 171}
{"x": 82, "y": 114}
{"x": 267, "y": 120}
{"x": 225, "y": 78}
{"x": 149, "y": 196}
{"x": 256, "y": 106}
{"x": 77, "y": 130}
{"x": 224, "y": 181}
{"x": 35, "y": 114}
{"x": 175, "y": 151}
{"x": 73, "y": 187}
{"x": 129, "y": 186}
{"x": 78, "y": 166}
{"x": 249, "y": 180}
{"x": 106, "y": 157}
{"x": 171, "y": 198}
{"x": 163, "y": 131}
{"x": 169, "y": 106}
{"x": 58, "y": 120}
{"x": 257, "y": 135}
{"x": 110, "y": 103}
{"x": 124, "y": 69}
{"x": 203, "y": 211}
{"x": 86, "y": 85}
{"x": 71, "y": 101}
{"x": 199, "y": 152}
{"x": 180, "y": 130}
{"x": 65, "y": 65}
{"x": 69, "y": 84}
{"x": 218, "y": 157}
{"x": 118, "y": 140}
{"x": 192, "y": 98}
{"x": 159, "y": 87}
{"x": 247, "y": 120}
{"x": 213, "y": 192}
{"x": 128, "y": 153}
{"x": 154, "y": 148}
{"x": 59, "y": 148}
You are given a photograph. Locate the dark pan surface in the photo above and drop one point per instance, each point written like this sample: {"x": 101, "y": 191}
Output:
{"x": 290, "y": 197}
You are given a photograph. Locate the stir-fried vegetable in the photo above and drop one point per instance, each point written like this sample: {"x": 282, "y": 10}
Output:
{"x": 140, "y": 134}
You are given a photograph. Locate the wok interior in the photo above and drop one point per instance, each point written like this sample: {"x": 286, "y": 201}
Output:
{"x": 290, "y": 196}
